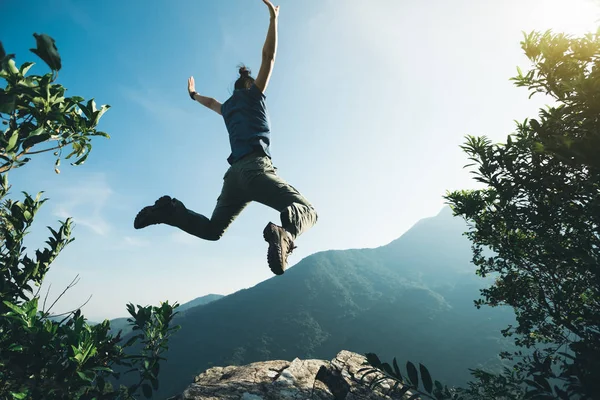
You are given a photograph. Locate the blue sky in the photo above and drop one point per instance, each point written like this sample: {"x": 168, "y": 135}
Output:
{"x": 369, "y": 101}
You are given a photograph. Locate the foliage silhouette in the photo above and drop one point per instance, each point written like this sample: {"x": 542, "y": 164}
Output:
{"x": 42, "y": 356}
{"x": 535, "y": 227}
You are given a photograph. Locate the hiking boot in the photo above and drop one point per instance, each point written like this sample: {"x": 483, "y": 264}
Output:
{"x": 280, "y": 246}
{"x": 160, "y": 212}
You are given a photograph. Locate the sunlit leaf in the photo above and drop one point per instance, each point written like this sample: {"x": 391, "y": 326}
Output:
{"x": 12, "y": 142}
{"x": 25, "y": 68}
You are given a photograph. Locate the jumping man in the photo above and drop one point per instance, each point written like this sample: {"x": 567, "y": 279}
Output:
{"x": 251, "y": 175}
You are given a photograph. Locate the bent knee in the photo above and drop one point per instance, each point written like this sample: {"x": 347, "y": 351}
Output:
{"x": 215, "y": 235}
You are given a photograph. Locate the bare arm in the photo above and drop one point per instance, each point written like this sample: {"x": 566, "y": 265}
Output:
{"x": 209, "y": 102}
{"x": 269, "y": 49}
{"x": 205, "y": 101}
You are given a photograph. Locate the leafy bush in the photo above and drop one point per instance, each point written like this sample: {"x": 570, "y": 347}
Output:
{"x": 42, "y": 356}
{"x": 407, "y": 384}
{"x": 535, "y": 227}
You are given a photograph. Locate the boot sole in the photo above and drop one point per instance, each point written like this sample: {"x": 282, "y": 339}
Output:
{"x": 273, "y": 256}
{"x": 139, "y": 222}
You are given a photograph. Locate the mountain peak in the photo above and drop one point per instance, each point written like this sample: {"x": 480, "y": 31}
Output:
{"x": 445, "y": 212}
{"x": 433, "y": 231}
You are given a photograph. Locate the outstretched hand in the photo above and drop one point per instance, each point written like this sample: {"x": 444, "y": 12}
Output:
{"x": 191, "y": 85}
{"x": 273, "y": 10}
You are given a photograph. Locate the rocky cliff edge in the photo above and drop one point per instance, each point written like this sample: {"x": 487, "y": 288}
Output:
{"x": 337, "y": 379}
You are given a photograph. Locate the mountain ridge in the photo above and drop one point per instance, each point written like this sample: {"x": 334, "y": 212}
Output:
{"x": 402, "y": 299}
{"x": 121, "y": 323}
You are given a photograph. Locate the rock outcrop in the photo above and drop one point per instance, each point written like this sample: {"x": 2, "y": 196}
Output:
{"x": 299, "y": 379}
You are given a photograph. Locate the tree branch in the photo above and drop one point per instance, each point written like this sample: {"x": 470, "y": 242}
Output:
{"x": 46, "y": 297}
{"x": 46, "y": 150}
{"x": 72, "y": 311}
{"x": 27, "y": 152}
{"x": 73, "y": 283}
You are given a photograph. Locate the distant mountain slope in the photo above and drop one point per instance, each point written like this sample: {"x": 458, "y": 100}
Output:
{"x": 118, "y": 324}
{"x": 199, "y": 301}
{"x": 412, "y": 298}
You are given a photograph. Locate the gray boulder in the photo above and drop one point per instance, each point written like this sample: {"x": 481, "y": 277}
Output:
{"x": 337, "y": 379}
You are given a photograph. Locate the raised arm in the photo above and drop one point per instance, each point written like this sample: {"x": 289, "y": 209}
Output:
{"x": 205, "y": 101}
{"x": 269, "y": 49}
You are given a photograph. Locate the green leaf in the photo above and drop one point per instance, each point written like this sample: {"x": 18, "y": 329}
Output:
{"x": 33, "y": 140}
{"x": 19, "y": 396}
{"x": 84, "y": 376}
{"x": 86, "y": 111}
{"x": 25, "y": 67}
{"x": 396, "y": 369}
{"x": 38, "y": 101}
{"x": 12, "y": 67}
{"x": 36, "y": 132}
{"x": 538, "y": 147}
{"x": 377, "y": 381}
{"x": 535, "y": 125}
{"x": 543, "y": 383}
{"x": 387, "y": 368}
{"x": 47, "y": 51}
{"x": 413, "y": 376}
{"x": 7, "y": 102}
{"x": 147, "y": 390}
{"x": 99, "y": 113}
{"x": 15, "y": 347}
{"x": 82, "y": 159}
{"x": 426, "y": 377}
{"x": 102, "y": 369}
{"x": 30, "y": 82}
{"x": 373, "y": 359}
{"x": 103, "y": 134}
{"x": 131, "y": 341}
{"x": 403, "y": 390}
{"x": 12, "y": 142}
{"x": 369, "y": 372}
{"x": 15, "y": 308}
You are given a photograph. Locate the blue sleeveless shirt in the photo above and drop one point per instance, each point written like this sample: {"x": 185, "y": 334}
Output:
{"x": 247, "y": 121}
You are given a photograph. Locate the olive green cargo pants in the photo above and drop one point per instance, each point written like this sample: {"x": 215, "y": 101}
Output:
{"x": 253, "y": 178}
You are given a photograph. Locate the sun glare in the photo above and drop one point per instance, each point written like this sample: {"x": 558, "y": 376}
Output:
{"x": 574, "y": 17}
